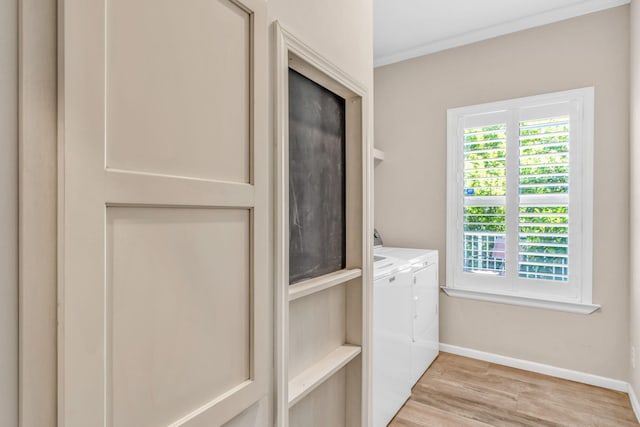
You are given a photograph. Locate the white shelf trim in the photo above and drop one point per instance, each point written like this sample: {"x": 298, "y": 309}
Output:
{"x": 304, "y": 383}
{"x": 378, "y": 154}
{"x": 571, "y": 307}
{"x": 317, "y": 284}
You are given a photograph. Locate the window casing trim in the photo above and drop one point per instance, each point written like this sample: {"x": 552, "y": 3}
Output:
{"x": 581, "y": 103}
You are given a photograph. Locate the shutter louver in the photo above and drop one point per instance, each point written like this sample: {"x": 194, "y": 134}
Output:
{"x": 543, "y": 247}
{"x": 485, "y": 184}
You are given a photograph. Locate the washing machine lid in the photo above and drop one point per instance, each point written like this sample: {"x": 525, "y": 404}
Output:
{"x": 384, "y": 265}
{"x": 412, "y": 256}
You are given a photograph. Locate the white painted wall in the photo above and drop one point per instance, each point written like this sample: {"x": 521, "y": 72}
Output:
{"x": 8, "y": 213}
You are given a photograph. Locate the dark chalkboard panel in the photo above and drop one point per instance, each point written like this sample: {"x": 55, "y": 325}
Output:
{"x": 317, "y": 225}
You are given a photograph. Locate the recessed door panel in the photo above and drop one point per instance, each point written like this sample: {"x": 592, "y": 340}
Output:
{"x": 178, "y": 308}
{"x": 178, "y": 88}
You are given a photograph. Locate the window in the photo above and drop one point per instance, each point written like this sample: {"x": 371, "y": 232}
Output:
{"x": 520, "y": 199}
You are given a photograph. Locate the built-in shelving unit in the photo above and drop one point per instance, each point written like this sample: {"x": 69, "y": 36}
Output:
{"x": 323, "y": 326}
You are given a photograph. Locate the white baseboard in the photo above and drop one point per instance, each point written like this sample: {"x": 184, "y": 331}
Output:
{"x": 634, "y": 401}
{"x": 541, "y": 368}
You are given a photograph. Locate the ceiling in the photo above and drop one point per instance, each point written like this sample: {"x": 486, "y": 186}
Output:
{"x": 405, "y": 29}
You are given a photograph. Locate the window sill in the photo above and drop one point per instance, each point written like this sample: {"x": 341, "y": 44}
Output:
{"x": 570, "y": 307}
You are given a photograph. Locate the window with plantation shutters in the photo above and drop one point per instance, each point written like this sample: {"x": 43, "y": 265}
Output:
{"x": 519, "y": 208}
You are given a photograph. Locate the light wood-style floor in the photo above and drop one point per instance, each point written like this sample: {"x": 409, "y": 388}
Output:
{"x": 458, "y": 391}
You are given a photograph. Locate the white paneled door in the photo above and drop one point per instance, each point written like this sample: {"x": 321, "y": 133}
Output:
{"x": 163, "y": 212}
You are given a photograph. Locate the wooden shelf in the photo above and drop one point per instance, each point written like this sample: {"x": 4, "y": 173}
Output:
{"x": 308, "y": 380}
{"x": 321, "y": 283}
{"x": 378, "y": 154}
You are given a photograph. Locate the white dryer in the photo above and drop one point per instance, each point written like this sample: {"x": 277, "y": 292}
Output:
{"x": 392, "y": 329}
{"x": 424, "y": 296}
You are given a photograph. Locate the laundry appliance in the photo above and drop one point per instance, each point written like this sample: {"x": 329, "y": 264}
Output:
{"x": 424, "y": 297}
{"x": 392, "y": 329}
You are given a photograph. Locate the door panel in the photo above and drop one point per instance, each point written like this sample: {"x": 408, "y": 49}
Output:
{"x": 173, "y": 287}
{"x": 425, "y": 322}
{"x": 425, "y": 292}
{"x": 178, "y": 88}
{"x": 164, "y": 215}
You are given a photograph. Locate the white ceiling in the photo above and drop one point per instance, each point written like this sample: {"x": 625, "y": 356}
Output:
{"x": 405, "y": 29}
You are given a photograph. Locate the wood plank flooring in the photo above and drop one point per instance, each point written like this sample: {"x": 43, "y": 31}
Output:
{"x": 458, "y": 391}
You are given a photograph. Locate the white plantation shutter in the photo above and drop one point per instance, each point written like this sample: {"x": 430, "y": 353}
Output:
{"x": 543, "y": 226}
{"x": 485, "y": 185}
{"x": 519, "y": 197}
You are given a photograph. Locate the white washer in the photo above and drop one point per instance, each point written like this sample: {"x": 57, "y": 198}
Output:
{"x": 392, "y": 323}
{"x": 425, "y": 324}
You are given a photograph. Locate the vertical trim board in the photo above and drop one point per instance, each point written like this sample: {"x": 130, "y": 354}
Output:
{"x": 9, "y": 212}
{"x": 37, "y": 128}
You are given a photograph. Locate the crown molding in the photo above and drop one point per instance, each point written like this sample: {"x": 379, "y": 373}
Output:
{"x": 561, "y": 14}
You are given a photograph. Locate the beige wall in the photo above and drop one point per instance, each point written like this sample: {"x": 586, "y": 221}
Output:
{"x": 635, "y": 193}
{"x": 8, "y": 212}
{"x": 342, "y": 31}
{"x": 412, "y": 98}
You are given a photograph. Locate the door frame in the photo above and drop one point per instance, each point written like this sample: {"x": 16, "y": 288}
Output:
{"x": 37, "y": 212}
{"x": 9, "y": 213}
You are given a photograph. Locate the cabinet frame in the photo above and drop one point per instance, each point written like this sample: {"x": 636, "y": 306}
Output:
{"x": 291, "y": 52}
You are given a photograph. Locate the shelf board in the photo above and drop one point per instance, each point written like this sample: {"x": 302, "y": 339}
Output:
{"x": 378, "y": 154}
{"x": 317, "y": 284}
{"x": 309, "y": 379}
